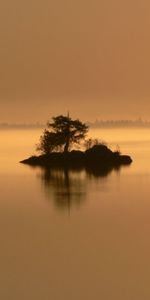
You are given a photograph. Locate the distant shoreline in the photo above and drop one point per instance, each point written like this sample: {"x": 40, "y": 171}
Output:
{"x": 139, "y": 123}
{"x": 21, "y": 126}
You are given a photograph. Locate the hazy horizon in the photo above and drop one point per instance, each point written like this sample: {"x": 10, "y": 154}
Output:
{"x": 91, "y": 58}
{"x": 98, "y": 123}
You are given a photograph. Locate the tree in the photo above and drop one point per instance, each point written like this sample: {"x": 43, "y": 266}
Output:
{"x": 64, "y": 133}
{"x": 49, "y": 142}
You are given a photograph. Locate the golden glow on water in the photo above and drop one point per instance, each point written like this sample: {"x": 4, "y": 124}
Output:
{"x": 16, "y": 145}
{"x": 69, "y": 235}
{"x": 123, "y": 135}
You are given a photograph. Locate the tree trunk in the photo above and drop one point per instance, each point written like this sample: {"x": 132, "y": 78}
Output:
{"x": 66, "y": 147}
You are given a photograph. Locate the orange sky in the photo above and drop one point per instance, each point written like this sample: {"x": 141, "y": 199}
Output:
{"x": 89, "y": 57}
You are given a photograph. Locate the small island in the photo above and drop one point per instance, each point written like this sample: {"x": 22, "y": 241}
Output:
{"x": 56, "y": 148}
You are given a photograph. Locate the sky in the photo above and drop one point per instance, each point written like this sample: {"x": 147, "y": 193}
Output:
{"x": 91, "y": 58}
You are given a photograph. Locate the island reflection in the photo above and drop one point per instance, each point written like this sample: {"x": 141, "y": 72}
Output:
{"x": 68, "y": 187}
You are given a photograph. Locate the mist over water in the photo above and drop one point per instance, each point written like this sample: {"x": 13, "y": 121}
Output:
{"x": 75, "y": 235}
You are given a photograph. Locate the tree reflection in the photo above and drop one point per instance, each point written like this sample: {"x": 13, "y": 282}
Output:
{"x": 65, "y": 186}
{"x": 68, "y": 187}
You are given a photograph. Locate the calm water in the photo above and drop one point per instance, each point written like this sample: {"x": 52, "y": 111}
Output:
{"x": 69, "y": 236}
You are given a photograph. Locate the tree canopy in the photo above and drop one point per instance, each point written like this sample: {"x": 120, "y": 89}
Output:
{"x": 62, "y": 133}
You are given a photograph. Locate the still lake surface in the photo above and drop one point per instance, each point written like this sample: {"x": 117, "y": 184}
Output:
{"x": 74, "y": 236}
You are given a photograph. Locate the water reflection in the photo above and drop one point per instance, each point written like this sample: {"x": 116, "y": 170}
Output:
{"x": 68, "y": 187}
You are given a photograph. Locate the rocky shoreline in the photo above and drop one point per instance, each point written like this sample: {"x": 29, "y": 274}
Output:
{"x": 98, "y": 156}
